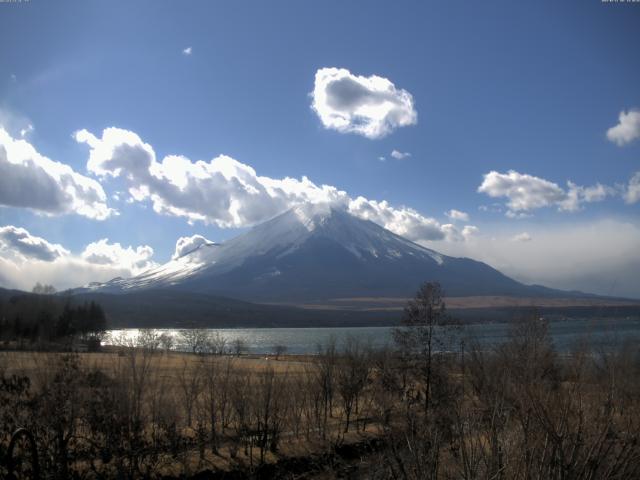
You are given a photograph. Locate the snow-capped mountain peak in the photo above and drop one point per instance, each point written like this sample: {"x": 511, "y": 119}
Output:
{"x": 315, "y": 251}
{"x": 312, "y": 214}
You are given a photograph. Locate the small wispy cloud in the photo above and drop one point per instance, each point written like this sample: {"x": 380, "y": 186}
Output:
{"x": 187, "y": 51}
{"x": 382, "y": 158}
{"x": 627, "y": 130}
{"x": 522, "y": 237}
{"x": 454, "y": 214}
{"x": 632, "y": 190}
{"x": 26, "y": 130}
{"x": 517, "y": 215}
{"x": 493, "y": 208}
{"x": 398, "y": 155}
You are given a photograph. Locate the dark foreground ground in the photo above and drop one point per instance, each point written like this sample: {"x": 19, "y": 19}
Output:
{"x": 517, "y": 410}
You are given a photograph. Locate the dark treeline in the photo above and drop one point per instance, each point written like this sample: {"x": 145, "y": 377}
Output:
{"x": 517, "y": 410}
{"x": 43, "y": 317}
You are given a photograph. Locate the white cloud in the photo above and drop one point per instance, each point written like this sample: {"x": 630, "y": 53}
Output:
{"x": 382, "y": 158}
{"x": 186, "y": 245}
{"x": 596, "y": 193}
{"x": 136, "y": 259}
{"x": 223, "y": 191}
{"x": 30, "y": 180}
{"x": 577, "y": 195}
{"x": 627, "y": 130}
{"x": 454, "y": 234}
{"x": 517, "y": 215}
{"x": 403, "y": 221}
{"x": 451, "y": 233}
{"x": 632, "y": 190}
{"x": 469, "y": 230}
{"x": 16, "y": 241}
{"x": 369, "y": 106}
{"x": 522, "y": 237}
{"x": 228, "y": 193}
{"x": 26, "y": 130}
{"x": 526, "y": 192}
{"x": 26, "y": 259}
{"x": 187, "y": 51}
{"x": 454, "y": 214}
{"x": 493, "y": 208}
{"x": 400, "y": 155}
{"x": 14, "y": 123}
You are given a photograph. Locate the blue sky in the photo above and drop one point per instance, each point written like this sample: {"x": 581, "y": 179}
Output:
{"x": 496, "y": 86}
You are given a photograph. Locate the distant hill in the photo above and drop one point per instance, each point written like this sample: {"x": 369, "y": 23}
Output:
{"x": 164, "y": 308}
{"x": 175, "y": 308}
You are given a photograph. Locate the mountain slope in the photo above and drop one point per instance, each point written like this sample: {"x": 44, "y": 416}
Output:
{"x": 314, "y": 253}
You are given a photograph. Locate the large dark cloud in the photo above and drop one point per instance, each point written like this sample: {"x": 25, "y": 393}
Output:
{"x": 20, "y": 241}
{"x": 30, "y": 180}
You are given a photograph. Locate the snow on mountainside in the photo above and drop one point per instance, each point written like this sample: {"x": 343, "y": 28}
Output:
{"x": 318, "y": 252}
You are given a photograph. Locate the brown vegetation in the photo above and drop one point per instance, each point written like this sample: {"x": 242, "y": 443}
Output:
{"x": 441, "y": 407}
{"x": 473, "y": 302}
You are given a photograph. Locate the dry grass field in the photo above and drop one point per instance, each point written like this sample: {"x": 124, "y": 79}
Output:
{"x": 518, "y": 410}
{"x": 166, "y": 363}
{"x": 193, "y": 412}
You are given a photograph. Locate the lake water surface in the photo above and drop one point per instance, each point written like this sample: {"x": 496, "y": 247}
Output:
{"x": 601, "y": 333}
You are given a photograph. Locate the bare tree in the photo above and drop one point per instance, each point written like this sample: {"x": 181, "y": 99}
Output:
{"x": 190, "y": 384}
{"x": 418, "y": 333}
{"x": 167, "y": 341}
{"x": 215, "y": 344}
{"x": 45, "y": 289}
{"x": 194, "y": 339}
{"x": 216, "y": 373}
{"x": 148, "y": 339}
{"x": 325, "y": 373}
{"x": 136, "y": 375}
{"x": 241, "y": 401}
{"x": 239, "y": 346}
{"x": 279, "y": 350}
{"x": 269, "y": 412}
{"x": 352, "y": 376}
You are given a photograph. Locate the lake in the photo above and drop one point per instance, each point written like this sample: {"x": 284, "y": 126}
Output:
{"x": 601, "y": 333}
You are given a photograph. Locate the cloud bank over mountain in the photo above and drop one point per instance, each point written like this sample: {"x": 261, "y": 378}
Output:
{"x": 228, "y": 193}
{"x": 26, "y": 259}
{"x": 600, "y": 256}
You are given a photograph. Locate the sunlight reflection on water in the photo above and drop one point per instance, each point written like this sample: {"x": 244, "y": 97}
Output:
{"x": 601, "y": 333}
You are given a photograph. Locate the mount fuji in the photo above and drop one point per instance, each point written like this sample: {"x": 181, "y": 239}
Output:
{"x": 314, "y": 253}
